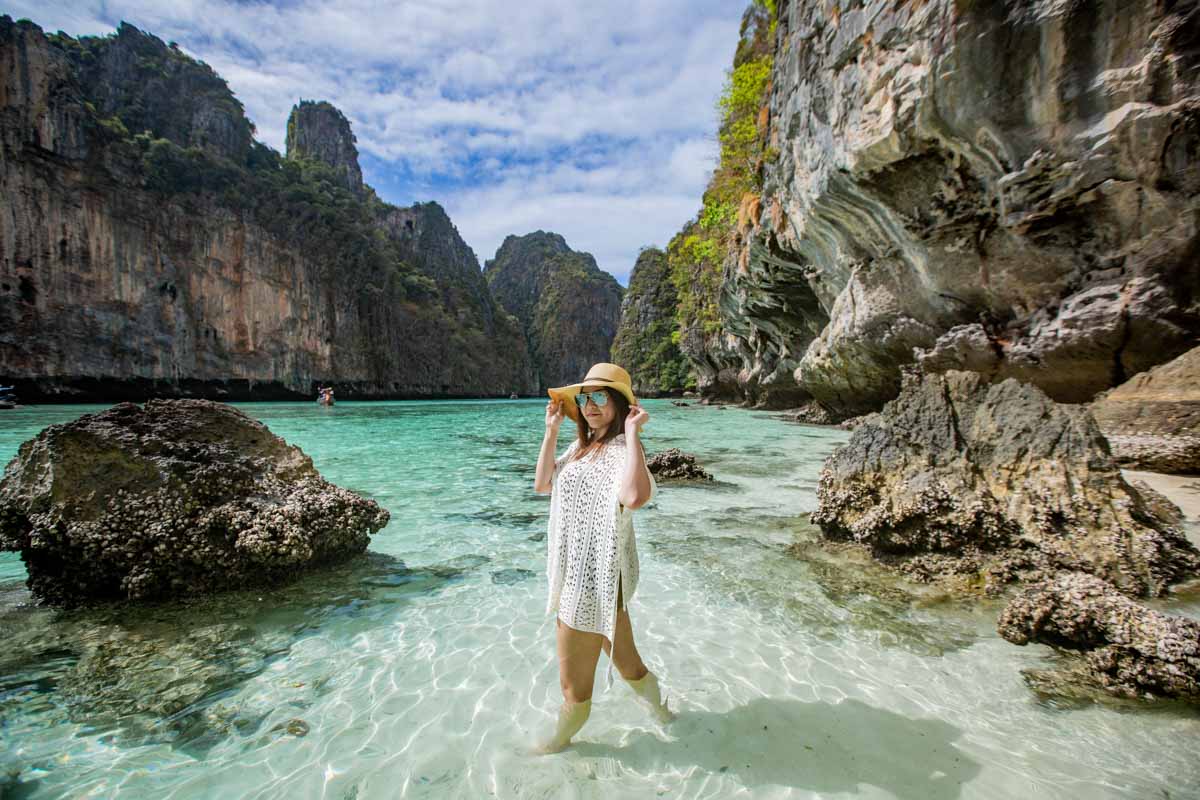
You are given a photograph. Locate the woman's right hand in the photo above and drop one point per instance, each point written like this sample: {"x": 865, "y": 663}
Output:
{"x": 554, "y": 415}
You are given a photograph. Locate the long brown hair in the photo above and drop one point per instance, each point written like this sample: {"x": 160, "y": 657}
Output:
{"x": 615, "y": 428}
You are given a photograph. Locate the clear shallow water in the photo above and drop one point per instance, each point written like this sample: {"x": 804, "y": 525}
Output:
{"x": 423, "y": 669}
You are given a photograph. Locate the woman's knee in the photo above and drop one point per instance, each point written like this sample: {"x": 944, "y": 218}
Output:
{"x": 575, "y": 691}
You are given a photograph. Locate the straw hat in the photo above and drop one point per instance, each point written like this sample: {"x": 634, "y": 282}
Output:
{"x": 602, "y": 374}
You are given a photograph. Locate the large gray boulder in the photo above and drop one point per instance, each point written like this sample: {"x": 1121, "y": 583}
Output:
{"x": 964, "y": 477}
{"x": 178, "y": 497}
{"x": 1152, "y": 421}
{"x": 1131, "y": 650}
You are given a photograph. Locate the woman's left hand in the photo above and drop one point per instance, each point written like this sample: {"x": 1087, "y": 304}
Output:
{"x": 635, "y": 420}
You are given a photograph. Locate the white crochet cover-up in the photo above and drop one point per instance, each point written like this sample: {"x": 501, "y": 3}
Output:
{"x": 589, "y": 542}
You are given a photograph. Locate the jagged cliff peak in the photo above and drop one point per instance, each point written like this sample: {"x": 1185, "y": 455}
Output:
{"x": 318, "y": 130}
{"x": 538, "y": 240}
{"x": 568, "y": 306}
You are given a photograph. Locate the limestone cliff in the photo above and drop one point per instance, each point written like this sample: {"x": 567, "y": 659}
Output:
{"x": 647, "y": 340}
{"x": 569, "y": 308}
{"x": 189, "y": 259}
{"x": 319, "y": 131}
{"x": 1010, "y": 188}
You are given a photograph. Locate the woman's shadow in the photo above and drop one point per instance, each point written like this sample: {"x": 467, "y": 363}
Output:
{"x": 814, "y": 746}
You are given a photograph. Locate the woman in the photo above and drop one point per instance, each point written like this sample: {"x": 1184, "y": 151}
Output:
{"x": 592, "y": 556}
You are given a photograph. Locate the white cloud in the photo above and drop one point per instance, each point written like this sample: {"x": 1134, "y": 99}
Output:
{"x": 595, "y": 120}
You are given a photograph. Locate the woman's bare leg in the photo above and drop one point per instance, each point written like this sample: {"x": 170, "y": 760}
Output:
{"x": 578, "y": 653}
{"x": 628, "y": 661}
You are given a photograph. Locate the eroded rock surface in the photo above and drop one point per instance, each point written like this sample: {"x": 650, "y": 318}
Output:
{"x": 959, "y": 476}
{"x": 180, "y": 497}
{"x": 674, "y": 464}
{"x": 1131, "y": 650}
{"x": 1152, "y": 421}
{"x": 1010, "y": 188}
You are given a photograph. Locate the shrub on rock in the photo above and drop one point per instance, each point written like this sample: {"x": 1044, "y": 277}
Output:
{"x": 178, "y": 497}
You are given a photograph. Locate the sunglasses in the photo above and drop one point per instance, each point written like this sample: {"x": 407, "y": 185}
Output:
{"x": 599, "y": 397}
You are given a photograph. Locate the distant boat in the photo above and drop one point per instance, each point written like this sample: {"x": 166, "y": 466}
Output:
{"x": 512, "y": 396}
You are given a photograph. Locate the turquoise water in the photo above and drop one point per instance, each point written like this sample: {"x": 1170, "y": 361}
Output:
{"x": 425, "y": 667}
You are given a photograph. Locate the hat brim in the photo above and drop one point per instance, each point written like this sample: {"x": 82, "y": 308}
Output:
{"x": 565, "y": 395}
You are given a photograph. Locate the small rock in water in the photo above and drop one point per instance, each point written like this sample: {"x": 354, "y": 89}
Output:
{"x": 510, "y": 576}
{"x": 674, "y": 464}
{"x": 294, "y": 727}
{"x": 1130, "y": 650}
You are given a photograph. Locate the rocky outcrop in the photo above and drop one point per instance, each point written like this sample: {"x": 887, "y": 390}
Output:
{"x": 1152, "y": 421}
{"x": 178, "y": 498}
{"x": 647, "y": 337}
{"x": 136, "y": 265}
{"x": 569, "y": 308}
{"x": 1000, "y": 187}
{"x": 989, "y": 481}
{"x": 319, "y": 131}
{"x": 674, "y": 464}
{"x": 133, "y": 79}
{"x": 1131, "y": 651}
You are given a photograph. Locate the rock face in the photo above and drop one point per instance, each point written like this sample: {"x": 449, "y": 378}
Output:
{"x": 1152, "y": 421}
{"x": 319, "y": 131}
{"x": 647, "y": 338}
{"x": 151, "y": 87}
{"x": 959, "y": 476}
{"x": 674, "y": 464}
{"x": 1009, "y": 188}
{"x": 1132, "y": 651}
{"x": 569, "y": 308}
{"x": 135, "y": 265}
{"x": 180, "y": 497}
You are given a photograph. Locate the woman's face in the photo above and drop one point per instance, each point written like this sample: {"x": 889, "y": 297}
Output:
{"x": 598, "y": 417}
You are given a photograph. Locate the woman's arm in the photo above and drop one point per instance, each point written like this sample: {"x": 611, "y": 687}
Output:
{"x": 635, "y": 484}
{"x": 542, "y": 480}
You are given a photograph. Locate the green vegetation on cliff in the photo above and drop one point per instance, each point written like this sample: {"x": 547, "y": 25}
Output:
{"x": 647, "y": 342}
{"x": 697, "y": 253}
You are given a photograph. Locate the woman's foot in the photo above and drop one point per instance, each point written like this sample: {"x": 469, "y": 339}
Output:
{"x": 571, "y": 717}
{"x": 650, "y": 696}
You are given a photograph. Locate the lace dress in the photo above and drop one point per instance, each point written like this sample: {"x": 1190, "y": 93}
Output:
{"x": 590, "y": 543}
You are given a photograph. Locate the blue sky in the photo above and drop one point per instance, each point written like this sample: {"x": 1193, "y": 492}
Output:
{"x": 592, "y": 119}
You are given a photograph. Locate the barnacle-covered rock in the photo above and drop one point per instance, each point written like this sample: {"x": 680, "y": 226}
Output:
{"x": 674, "y": 464}
{"x": 1131, "y": 650}
{"x": 1002, "y": 479}
{"x": 178, "y": 497}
